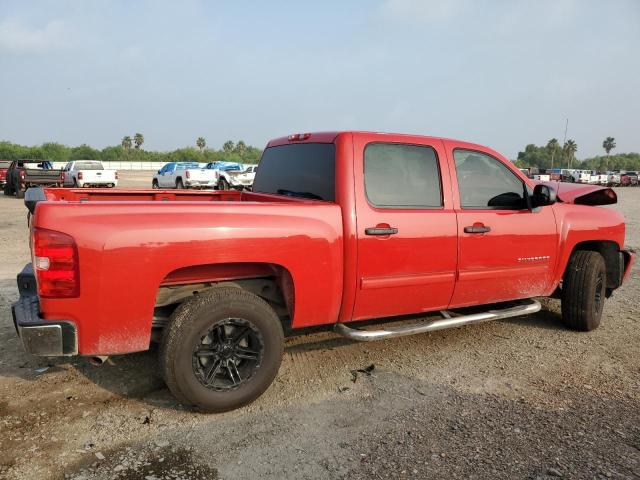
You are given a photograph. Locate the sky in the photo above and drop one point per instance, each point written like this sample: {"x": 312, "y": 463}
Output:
{"x": 502, "y": 73}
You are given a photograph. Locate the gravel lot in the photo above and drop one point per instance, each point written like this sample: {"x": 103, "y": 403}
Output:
{"x": 520, "y": 398}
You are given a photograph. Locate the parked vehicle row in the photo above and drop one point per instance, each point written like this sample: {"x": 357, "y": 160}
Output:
{"x": 214, "y": 175}
{"x": 340, "y": 227}
{"x": 590, "y": 177}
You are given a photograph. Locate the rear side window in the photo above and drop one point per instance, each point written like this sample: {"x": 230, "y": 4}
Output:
{"x": 485, "y": 182}
{"x": 304, "y": 170}
{"x": 402, "y": 176}
{"x": 89, "y": 166}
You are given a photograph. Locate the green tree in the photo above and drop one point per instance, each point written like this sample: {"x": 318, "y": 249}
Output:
{"x": 608, "y": 145}
{"x": 240, "y": 148}
{"x": 228, "y": 146}
{"x": 55, "y": 151}
{"x": 84, "y": 152}
{"x": 201, "y": 143}
{"x": 126, "y": 143}
{"x": 138, "y": 139}
{"x": 570, "y": 148}
{"x": 552, "y": 147}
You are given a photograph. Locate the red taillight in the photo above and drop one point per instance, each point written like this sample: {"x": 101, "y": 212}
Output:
{"x": 297, "y": 137}
{"x": 187, "y": 174}
{"x": 55, "y": 261}
{"x": 79, "y": 175}
{"x": 21, "y": 174}
{"x": 62, "y": 176}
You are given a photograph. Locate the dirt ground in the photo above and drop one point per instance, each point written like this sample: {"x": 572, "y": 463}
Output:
{"x": 520, "y": 398}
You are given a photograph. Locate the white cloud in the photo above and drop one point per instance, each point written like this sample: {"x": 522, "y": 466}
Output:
{"x": 16, "y": 38}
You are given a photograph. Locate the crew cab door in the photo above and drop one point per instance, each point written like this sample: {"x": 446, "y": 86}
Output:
{"x": 406, "y": 227}
{"x": 506, "y": 251}
{"x": 166, "y": 177}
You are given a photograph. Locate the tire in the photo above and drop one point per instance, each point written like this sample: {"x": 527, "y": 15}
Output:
{"x": 155, "y": 185}
{"x": 218, "y": 317}
{"x": 7, "y": 189}
{"x": 179, "y": 184}
{"x": 75, "y": 183}
{"x": 583, "y": 291}
{"x": 223, "y": 184}
{"x": 20, "y": 193}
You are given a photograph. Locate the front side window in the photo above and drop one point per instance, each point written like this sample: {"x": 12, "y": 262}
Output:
{"x": 402, "y": 176}
{"x": 485, "y": 182}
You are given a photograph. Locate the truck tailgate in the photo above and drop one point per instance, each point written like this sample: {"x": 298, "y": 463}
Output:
{"x": 98, "y": 176}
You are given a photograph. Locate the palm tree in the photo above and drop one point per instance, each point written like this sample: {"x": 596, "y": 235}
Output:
{"x": 241, "y": 147}
{"x": 608, "y": 145}
{"x": 552, "y": 146}
{"x": 570, "y": 148}
{"x": 228, "y": 146}
{"x": 201, "y": 143}
{"x": 138, "y": 139}
{"x": 126, "y": 143}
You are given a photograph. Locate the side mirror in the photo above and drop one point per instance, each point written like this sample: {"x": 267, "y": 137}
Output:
{"x": 159, "y": 172}
{"x": 543, "y": 195}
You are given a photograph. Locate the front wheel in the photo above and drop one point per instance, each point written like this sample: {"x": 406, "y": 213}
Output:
{"x": 222, "y": 349}
{"x": 155, "y": 185}
{"x": 223, "y": 184}
{"x": 179, "y": 184}
{"x": 20, "y": 192}
{"x": 584, "y": 291}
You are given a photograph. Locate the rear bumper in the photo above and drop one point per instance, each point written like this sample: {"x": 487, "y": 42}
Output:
{"x": 39, "y": 336}
{"x": 199, "y": 184}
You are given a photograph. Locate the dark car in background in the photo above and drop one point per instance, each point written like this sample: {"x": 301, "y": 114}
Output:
{"x": 23, "y": 174}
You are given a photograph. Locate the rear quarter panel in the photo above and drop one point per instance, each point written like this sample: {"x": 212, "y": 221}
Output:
{"x": 126, "y": 250}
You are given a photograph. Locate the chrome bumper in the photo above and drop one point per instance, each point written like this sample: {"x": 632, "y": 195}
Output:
{"x": 39, "y": 336}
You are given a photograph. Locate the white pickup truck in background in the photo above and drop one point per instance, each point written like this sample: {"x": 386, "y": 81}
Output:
{"x": 88, "y": 173}
{"x": 185, "y": 175}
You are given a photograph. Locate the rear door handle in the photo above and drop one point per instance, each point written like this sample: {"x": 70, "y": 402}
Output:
{"x": 477, "y": 229}
{"x": 380, "y": 231}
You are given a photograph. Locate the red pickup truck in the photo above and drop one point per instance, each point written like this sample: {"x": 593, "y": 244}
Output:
{"x": 340, "y": 227}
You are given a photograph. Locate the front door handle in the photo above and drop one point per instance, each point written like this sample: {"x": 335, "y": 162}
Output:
{"x": 380, "y": 231}
{"x": 477, "y": 229}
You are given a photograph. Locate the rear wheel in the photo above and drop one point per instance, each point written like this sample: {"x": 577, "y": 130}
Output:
{"x": 221, "y": 350}
{"x": 7, "y": 189}
{"x": 223, "y": 184}
{"x": 584, "y": 291}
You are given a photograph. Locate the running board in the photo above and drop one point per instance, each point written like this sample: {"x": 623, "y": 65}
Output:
{"x": 529, "y": 306}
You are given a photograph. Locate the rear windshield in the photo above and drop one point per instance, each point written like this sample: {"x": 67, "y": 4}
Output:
{"x": 89, "y": 166}
{"x": 4, "y": 164}
{"x": 305, "y": 170}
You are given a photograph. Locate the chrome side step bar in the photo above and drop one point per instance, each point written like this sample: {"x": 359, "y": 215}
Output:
{"x": 527, "y": 307}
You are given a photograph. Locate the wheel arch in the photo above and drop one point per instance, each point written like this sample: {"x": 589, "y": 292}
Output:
{"x": 271, "y": 281}
{"x": 613, "y": 259}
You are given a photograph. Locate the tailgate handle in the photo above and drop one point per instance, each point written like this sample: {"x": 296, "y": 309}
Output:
{"x": 380, "y": 231}
{"x": 477, "y": 229}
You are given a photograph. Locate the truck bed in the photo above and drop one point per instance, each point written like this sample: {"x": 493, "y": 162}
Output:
{"x": 41, "y": 176}
{"x": 147, "y": 195}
